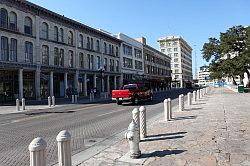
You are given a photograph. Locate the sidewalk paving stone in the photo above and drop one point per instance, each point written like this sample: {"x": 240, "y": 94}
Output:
{"x": 214, "y": 131}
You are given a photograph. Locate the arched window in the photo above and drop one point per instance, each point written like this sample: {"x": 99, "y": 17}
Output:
{"x": 3, "y": 18}
{"x": 61, "y": 35}
{"x": 81, "y": 41}
{"x": 28, "y": 26}
{"x": 28, "y": 52}
{"x": 98, "y": 45}
{"x": 13, "y": 21}
{"x": 61, "y": 57}
{"x": 45, "y": 31}
{"x": 88, "y": 43}
{"x": 56, "y": 35}
{"x": 70, "y": 38}
{"x": 105, "y": 47}
{"x": 45, "y": 55}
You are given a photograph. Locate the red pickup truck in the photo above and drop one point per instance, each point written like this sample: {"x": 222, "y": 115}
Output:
{"x": 132, "y": 93}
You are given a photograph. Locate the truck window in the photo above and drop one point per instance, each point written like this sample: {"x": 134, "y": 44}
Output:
{"x": 130, "y": 87}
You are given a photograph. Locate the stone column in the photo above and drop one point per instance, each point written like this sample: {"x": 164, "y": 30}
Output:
{"x": 38, "y": 84}
{"x": 121, "y": 81}
{"x": 94, "y": 80}
{"x": 76, "y": 80}
{"x": 20, "y": 77}
{"x": 85, "y": 85}
{"x": 51, "y": 84}
{"x": 65, "y": 84}
{"x": 115, "y": 85}
{"x": 108, "y": 85}
{"x": 102, "y": 84}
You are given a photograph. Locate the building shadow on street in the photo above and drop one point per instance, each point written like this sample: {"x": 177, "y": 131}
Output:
{"x": 162, "y": 153}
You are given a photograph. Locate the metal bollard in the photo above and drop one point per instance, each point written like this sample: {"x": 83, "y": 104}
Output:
{"x": 64, "y": 148}
{"x": 49, "y": 101}
{"x": 133, "y": 137}
{"x": 37, "y": 150}
{"x": 17, "y": 105}
{"x": 76, "y": 97}
{"x": 143, "y": 122}
{"x": 182, "y": 99}
{"x": 189, "y": 99}
{"x": 53, "y": 101}
{"x": 72, "y": 99}
{"x": 201, "y": 93}
{"x": 170, "y": 108}
{"x": 23, "y": 103}
{"x": 194, "y": 96}
{"x": 166, "y": 110}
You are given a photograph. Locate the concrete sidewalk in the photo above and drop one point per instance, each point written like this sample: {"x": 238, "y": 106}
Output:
{"x": 213, "y": 131}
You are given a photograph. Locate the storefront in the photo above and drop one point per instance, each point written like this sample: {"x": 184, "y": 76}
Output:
{"x": 8, "y": 86}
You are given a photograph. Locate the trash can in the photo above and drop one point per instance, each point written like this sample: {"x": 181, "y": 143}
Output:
{"x": 240, "y": 88}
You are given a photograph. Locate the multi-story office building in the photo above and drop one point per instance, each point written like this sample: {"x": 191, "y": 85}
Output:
{"x": 46, "y": 54}
{"x": 156, "y": 67}
{"x": 204, "y": 76}
{"x": 131, "y": 57}
{"x": 181, "y": 59}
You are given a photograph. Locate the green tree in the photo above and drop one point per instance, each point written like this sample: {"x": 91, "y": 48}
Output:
{"x": 235, "y": 41}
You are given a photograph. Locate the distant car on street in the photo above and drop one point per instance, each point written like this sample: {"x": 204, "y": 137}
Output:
{"x": 132, "y": 93}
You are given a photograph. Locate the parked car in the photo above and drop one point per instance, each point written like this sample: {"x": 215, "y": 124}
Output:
{"x": 132, "y": 93}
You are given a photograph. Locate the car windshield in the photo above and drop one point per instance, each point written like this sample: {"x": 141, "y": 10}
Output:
{"x": 130, "y": 87}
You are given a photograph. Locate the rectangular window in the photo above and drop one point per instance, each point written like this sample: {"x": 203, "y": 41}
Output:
{"x": 127, "y": 50}
{"x": 92, "y": 44}
{"x": 112, "y": 65}
{"x": 4, "y": 48}
{"x": 105, "y": 48}
{"x": 97, "y": 45}
{"x": 71, "y": 58}
{"x": 138, "y": 65}
{"x": 88, "y": 43}
{"x": 61, "y": 57}
{"x": 110, "y": 49}
{"x": 45, "y": 55}
{"x": 163, "y": 50}
{"x": 175, "y": 54}
{"x": 13, "y": 50}
{"x": 127, "y": 62}
{"x": 138, "y": 53}
{"x": 175, "y": 49}
{"x": 98, "y": 62}
{"x": 117, "y": 51}
{"x": 117, "y": 65}
{"x": 56, "y": 56}
{"x": 176, "y": 59}
{"x": 105, "y": 64}
{"x": 176, "y": 65}
{"x": 28, "y": 52}
{"x": 169, "y": 50}
{"x": 81, "y": 60}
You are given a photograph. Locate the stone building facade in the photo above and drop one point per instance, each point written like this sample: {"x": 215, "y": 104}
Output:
{"x": 157, "y": 72}
{"x": 46, "y": 54}
{"x": 181, "y": 59}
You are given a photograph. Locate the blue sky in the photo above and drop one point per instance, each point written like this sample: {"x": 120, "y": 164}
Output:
{"x": 194, "y": 20}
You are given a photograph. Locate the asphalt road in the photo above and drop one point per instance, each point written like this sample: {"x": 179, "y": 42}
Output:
{"x": 87, "y": 123}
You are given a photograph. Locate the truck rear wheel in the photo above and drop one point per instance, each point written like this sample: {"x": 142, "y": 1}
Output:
{"x": 118, "y": 102}
{"x": 136, "y": 100}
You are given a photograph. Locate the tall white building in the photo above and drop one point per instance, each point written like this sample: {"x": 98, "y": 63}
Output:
{"x": 132, "y": 66}
{"x": 181, "y": 59}
{"x": 204, "y": 76}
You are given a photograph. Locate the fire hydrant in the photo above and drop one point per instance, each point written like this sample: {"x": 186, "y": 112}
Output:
{"x": 133, "y": 137}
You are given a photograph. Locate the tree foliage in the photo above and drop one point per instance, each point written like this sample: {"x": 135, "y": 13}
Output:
{"x": 229, "y": 55}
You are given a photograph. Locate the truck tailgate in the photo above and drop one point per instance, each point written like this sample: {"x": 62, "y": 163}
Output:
{"x": 120, "y": 93}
